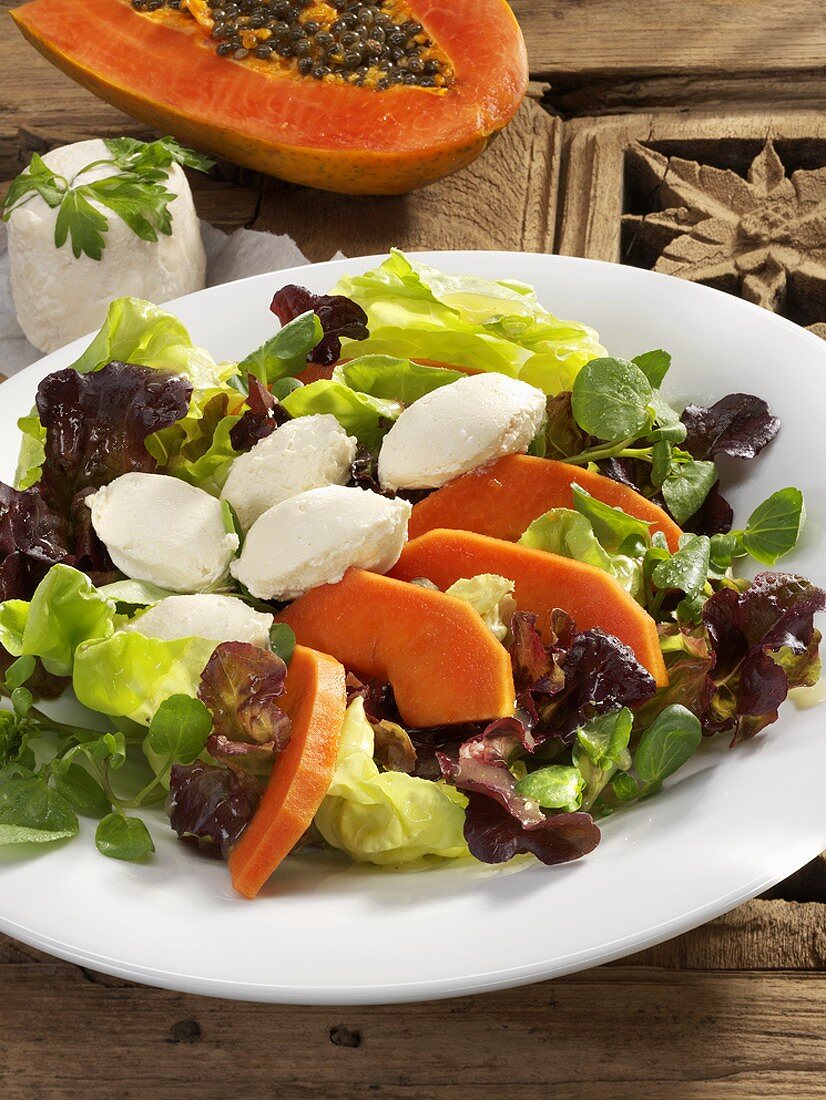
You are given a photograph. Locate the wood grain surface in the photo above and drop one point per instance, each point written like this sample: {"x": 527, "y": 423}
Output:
{"x": 733, "y": 1009}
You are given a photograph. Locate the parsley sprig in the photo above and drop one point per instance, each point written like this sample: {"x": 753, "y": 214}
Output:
{"x": 137, "y": 194}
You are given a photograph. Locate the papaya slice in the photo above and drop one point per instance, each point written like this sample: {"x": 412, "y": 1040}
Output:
{"x": 315, "y": 698}
{"x": 326, "y": 131}
{"x": 503, "y": 499}
{"x": 444, "y": 664}
{"x": 542, "y": 582}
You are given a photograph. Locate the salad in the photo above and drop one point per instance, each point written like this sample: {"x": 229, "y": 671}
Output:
{"x": 429, "y": 575}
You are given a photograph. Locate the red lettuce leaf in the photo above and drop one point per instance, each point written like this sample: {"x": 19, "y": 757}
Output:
{"x": 339, "y": 316}
{"x": 749, "y": 631}
{"x": 33, "y": 538}
{"x": 210, "y": 806}
{"x": 494, "y": 780}
{"x": 96, "y": 424}
{"x": 261, "y": 417}
{"x": 494, "y": 836}
{"x": 90, "y": 554}
{"x": 715, "y": 516}
{"x": 240, "y": 686}
{"x": 739, "y": 425}
{"x": 503, "y": 741}
{"x": 252, "y": 757}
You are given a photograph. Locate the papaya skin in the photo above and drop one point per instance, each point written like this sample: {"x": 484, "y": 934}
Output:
{"x": 315, "y": 698}
{"x": 542, "y": 582}
{"x": 334, "y": 136}
{"x": 503, "y": 499}
{"x": 444, "y": 664}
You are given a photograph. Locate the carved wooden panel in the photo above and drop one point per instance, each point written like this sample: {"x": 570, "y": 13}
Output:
{"x": 737, "y": 203}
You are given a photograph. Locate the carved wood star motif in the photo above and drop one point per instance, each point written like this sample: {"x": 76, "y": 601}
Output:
{"x": 756, "y": 234}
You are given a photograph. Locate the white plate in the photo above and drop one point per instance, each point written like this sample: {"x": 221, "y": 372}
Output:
{"x": 730, "y": 825}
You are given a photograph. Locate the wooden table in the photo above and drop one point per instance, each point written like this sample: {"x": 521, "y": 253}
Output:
{"x": 641, "y": 118}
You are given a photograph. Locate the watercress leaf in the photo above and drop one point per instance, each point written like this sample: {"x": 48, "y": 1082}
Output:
{"x": 556, "y": 787}
{"x": 282, "y": 641}
{"x": 610, "y": 399}
{"x": 340, "y": 318}
{"x": 109, "y": 748}
{"x": 282, "y": 387}
{"x": 30, "y": 811}
{"x": 654, "y": 365}
{"x": 672, "y": 739}
{"x": 286, "y": 352}
{"x": 605, "y": 738}
{"x": 21, "y": 701}
{"x": 686, "y": 487}
{"x": 774, "y": 526}
{"x": 124, "y": 838}
{"x": 724, "y": 549}
{"x": 81, "y": 790}
{"x": 179, "y": 729}
{"x": 687, "y": 570}
{"x": 615, "y": 529}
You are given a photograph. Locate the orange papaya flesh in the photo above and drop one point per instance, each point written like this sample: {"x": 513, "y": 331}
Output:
{"x": 164, "y": 70}
{"x": 443, "y": 662}
{"x": 315, "y": 698}
{"x": 542, "y": 582}
{"x": 504, "y": 498}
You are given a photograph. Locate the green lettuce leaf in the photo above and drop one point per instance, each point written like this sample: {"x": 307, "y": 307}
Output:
{"x": 417, "y": 312}
{"x": 197, "y": 448}
{"x": 129, "y": 675}
{"x": 32, "y": 451}
{"x": 569, "y": 534}
{"x": 491, "y": 596}
{"x": 387, "y": 818}
{"x": 65, "y": 612}
{"x": 139, "y": 332}
{"x": 394, "y": 379}
{"x": 359, "y": 414}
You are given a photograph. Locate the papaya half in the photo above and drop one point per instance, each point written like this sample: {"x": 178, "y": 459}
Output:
{"x": 504, "y": 498}
{"x": 416, "y": 94}
{"x": 443, "y": 662}
{"x": 542, "y": 582}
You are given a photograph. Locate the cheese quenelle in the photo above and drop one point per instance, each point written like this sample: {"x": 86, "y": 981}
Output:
{"x": 458, "y": 427}
{"x": 302, "y": 454}
{"x": 315, "y": 537}
{"x": 218, "y": 618}
{"x": 162, "y": 530}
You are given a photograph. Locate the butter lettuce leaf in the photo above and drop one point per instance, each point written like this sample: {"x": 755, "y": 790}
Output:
{"x": 416, "y": 311}
{"x": 491, "y": 597}
{"x": 65, "y": 612}
{"x": 569, "y": 534}
{"x": 360, "y": 414}
{"x": 395, "y": 379}
{"x": 129, "y": 675}
{"x": 387, "y": 818}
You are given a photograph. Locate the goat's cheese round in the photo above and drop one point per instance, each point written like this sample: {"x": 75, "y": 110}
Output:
{"x": 163, "y": 530}
{"x": 58, "y": 297}
{"x": 313, "y": 538}
{"x": 216, "y": 618}
{"x": 305, "y": 453}
{"x": 455, "y": 428}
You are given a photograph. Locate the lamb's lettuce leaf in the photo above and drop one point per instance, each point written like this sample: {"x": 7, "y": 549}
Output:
{"x": 387, "y": 818}
{"x": 417, "y": 312}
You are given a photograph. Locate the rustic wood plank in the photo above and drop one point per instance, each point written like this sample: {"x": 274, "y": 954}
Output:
{"x": 619, "y": 1032}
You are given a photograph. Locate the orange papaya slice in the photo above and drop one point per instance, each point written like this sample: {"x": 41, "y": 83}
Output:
{"x": 443, "y": 662}
{"x": 504, "y": 498}
{"x": 542, "y": 582}
{"x": 340, "y": 130}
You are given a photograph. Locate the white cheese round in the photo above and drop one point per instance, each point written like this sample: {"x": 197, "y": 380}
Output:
{"x": 162, "y": 530}
{"x": 315, "y": 537}
{"x": 302, "y": 454}
{"x": 455, "y": 428}
{"x": 216, "y": 618}
{"x": 58, "y": 297}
